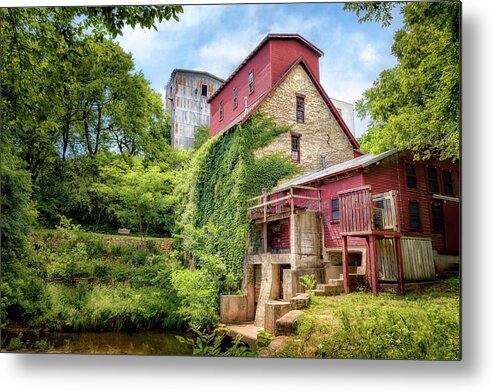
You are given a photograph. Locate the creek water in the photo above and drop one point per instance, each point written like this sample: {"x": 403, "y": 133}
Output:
{"x": 141, "y": 343}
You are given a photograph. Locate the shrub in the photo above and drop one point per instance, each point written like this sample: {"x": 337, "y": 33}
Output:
{"x": 308, "y": 281}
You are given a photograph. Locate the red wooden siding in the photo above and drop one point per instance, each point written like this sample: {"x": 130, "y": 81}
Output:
{"x": 260, "y": 66}
{"x": 284, "y": 52}
{"x": 332, "y": 237}
{"x": 268, "y": 65}
{"x": 390, "y": 174}
{"x": 278, "y": 235}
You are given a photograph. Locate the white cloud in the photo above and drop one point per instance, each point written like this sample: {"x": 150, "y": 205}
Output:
{"x": 368, "y": 55}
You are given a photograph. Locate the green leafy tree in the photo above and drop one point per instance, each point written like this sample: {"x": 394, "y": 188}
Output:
{"x": 140, "y": 197}
{"x": 415, "y": 105}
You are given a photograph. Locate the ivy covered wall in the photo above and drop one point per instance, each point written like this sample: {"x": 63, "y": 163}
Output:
{"x": 213, "y": 225}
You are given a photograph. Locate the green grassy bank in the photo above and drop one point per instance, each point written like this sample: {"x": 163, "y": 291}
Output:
{"x": 421, "y": 325}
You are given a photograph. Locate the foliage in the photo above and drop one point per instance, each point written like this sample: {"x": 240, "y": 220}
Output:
{"x": 20, "y": 287}
{"x": 16, "y": 343}
{"x": 84, "y": 292}
{"x": 308, "y": 281}
{"x": 213, "y": 227}
{"x": 378, "y": 11}
{"x": 73, "y": 103}
{"x": 415, "y": 106}
{"x": 138, "y": 196}
{"x": 213, "y": 343}
{"x": 422, "y": 325}
{"x": 201, "y": 136}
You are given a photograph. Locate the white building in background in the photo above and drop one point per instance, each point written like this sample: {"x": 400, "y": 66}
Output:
{"x": 187, "y": 92}
{"x": 346, "y": 110}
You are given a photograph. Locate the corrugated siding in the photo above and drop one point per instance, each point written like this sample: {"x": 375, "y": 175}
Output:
{"x": 417, "y": 259}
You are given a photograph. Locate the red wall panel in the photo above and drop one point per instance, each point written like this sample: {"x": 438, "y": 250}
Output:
{"x": 390, "y": 174}
{"x": 332, "y": 237}
{"x": 285, "y": 52}
{"x": 260, "y": 65}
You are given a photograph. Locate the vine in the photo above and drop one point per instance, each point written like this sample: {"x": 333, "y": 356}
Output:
{"x": 214, "y": 189}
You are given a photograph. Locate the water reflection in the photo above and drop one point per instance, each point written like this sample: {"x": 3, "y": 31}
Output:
{"x": 143, "y": 343}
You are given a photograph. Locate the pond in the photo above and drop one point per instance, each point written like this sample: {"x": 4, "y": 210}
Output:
{"x": 140, "y": 343}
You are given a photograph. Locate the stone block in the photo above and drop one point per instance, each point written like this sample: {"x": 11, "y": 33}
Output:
{"x": 273, "y": 311}
{"x": 286, "y": 325}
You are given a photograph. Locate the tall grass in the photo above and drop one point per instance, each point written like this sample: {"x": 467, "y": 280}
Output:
{"x": 417, "y": 326}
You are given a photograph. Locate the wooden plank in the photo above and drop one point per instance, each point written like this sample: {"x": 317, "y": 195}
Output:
{"x": 345, "y": 265}
{"x": 305, "y": 187}
{"x": 400, "y": 268}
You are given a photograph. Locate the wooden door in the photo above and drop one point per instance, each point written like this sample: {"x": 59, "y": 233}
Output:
{"x": 451, "y": 220}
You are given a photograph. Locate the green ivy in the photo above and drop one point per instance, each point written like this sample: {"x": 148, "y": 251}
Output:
{"x": 214, "y": 189}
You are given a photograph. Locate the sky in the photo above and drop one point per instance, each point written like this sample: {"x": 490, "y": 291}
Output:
{"x": 216, "y": 38}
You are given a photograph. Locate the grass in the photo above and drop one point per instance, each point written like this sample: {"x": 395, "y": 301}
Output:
{"x": 421, "y": 325}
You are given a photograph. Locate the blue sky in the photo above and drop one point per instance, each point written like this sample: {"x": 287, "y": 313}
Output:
{"x": 216, "y": 38}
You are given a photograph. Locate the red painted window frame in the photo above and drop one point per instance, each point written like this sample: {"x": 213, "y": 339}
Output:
{"x": 235, "y": 98}
{"x": 332, "y": 219}
{"x": 451, "y": 182}
{"x": 302, "y": 98}
{"x": 420, "y": 215}
{"x": 221, "y": 111}
{"x": 251, "y": 89}
{"x": 428, "y": 179}
{"x": 298, "y": 137}
{"x": 415, "y": 175}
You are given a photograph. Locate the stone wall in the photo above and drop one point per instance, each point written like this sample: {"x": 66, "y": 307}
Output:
{"x": 320, "y": 133}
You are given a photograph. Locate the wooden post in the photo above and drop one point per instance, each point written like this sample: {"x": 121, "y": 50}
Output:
{"x": 374, "y": 265}
{"x": 264, "y": 201}
{"x": 264, "y": 237}
{"x": 368, "y": 262}
{"x": 400, "y": 268}
{"x": 345, "y": 265}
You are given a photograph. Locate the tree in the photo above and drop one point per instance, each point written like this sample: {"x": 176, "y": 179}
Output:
{"x": 415, "y": 105}
{"x": 140, "y": 197}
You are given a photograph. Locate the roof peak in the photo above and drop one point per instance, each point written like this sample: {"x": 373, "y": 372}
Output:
{"x": 268, "y": 37}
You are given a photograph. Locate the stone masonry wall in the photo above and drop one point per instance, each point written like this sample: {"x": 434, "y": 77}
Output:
{"x": 320, "y": 133}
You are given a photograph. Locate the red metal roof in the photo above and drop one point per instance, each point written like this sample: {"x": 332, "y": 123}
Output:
{"x": 259, "y": 46}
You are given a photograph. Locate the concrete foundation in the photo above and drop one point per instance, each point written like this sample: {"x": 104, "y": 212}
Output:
{"x": 273, "y": 311}
{"x": 234, "y": 308}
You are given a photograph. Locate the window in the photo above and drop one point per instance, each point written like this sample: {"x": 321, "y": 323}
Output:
{"x": 411, "y": 175}
{"x": 437, "y": 216}
{"x": 295, "y": 148}
{"x": 300, "y": 109}
{"x": 432, "y": 180}
{"x": 447, "y": 183}
{"x": 235, "y": 98}
{"x": 204, "y": 90}
{"x": 251, "y": 85}
{"x": 335, "y": 209}
{"x": 221, "y": 110}
{"x": 414, "y": 218}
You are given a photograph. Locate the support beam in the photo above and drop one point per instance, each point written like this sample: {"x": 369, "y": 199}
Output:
{"x": 345, "y": 265}
{"x": 400, "y": 268}
{"x": 264, "y": 237}
{"x": 374, "y": 265}
{"x": 368, "y": 262}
